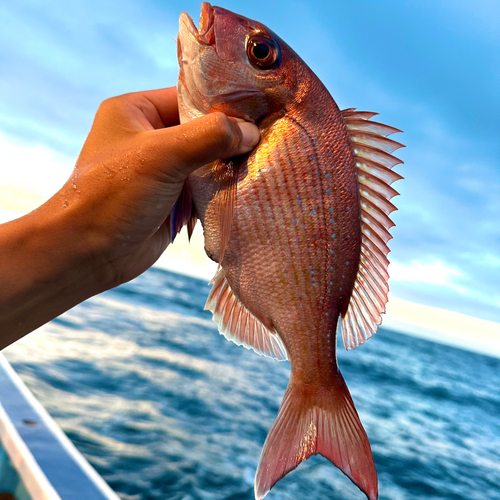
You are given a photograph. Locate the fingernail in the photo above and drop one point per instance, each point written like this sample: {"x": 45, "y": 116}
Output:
{"x": 250, "y": 134}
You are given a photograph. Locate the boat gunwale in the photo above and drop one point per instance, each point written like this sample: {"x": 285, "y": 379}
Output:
{"x": 17, "y": 444}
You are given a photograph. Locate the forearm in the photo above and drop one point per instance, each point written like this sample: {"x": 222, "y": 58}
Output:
{"x": 49, "y": 263}
{"x": 109, "y": 223}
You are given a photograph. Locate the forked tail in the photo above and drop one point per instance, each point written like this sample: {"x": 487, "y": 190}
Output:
{"x": 314, "y": 420}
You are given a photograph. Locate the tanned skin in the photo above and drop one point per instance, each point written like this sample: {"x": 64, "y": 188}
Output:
{"x": 107, "y": 224}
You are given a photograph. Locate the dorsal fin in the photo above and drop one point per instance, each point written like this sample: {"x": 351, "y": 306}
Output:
{"x": 238, "y": 324}
{"x": 374, "y": 162}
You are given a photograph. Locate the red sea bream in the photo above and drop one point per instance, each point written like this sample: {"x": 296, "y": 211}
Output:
{"x": 299, "y": 227}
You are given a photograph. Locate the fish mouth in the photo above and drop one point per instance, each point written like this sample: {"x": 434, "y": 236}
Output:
{"x": 189, "y": 42}
{"x": 205, "y": 33}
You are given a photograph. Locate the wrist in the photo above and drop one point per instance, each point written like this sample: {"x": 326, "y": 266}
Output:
{"x": 70, "y": 231}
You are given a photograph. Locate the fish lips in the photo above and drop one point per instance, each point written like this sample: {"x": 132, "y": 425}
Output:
{"x": 205, "y": 34}
{"x": 190, "y": 38}
{"x": 217, "y": 28}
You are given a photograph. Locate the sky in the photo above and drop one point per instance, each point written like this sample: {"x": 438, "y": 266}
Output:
{"x": 429, "y": 68}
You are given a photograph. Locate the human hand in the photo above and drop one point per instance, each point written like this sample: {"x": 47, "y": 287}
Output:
{"x": 132, "y": 168}
{"x": 106, "y": 225}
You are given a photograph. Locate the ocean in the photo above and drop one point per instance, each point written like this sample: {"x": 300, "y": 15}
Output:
{"x": 165, "y": 408}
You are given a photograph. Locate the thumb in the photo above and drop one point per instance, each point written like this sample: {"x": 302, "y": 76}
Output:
{"x": 204, "y": 140}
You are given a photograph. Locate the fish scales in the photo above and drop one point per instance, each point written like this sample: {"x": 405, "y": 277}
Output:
{"x": 306, "y": 238}
{"x": 299, "y": 228}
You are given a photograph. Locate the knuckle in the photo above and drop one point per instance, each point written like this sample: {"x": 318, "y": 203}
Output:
{"x": 107, "y": 105}
{"x": 225, "y": 131}
{"x": 112, "y": 103}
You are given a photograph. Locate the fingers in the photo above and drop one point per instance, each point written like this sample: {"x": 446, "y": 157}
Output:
{"x": 150, "y": 109}
{"x": 201, "y": 141}
{"x": 165, "y": 102}
{"x": 173, "y": 151}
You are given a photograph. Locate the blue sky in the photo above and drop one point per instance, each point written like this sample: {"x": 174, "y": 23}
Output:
{"x": 429, "y": 68}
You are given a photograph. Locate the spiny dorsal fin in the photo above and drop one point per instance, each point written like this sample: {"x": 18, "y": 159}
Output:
{"x": 374, "y": 162}
{"x": 238, "y": 324}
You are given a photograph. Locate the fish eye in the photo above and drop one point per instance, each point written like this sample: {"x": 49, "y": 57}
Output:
{"x": 263, "y": 52}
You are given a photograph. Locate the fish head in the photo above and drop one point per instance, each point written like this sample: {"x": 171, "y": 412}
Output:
{"x": 234, "y": 65}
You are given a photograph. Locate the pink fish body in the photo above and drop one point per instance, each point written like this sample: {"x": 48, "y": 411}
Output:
{"x": 300, "y": 229}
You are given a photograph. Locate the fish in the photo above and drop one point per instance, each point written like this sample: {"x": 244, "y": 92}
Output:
{"x": 299, "y": 227}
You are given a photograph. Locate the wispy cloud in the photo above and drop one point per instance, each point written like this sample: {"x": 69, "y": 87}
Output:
{"x": 433, "y": 273}
{"x": 30, "y": 174}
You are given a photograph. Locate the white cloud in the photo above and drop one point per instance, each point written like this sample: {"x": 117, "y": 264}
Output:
{"x": 432, "y": 272}
{"x": 29, "y": 176}
{"x": 443, "y": 326}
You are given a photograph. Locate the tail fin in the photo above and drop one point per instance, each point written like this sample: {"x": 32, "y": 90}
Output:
{"x": 314, "y": 420}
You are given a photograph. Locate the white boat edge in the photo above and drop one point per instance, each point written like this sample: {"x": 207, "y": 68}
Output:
{"x": 31, "y": 473}
{"x": 34, "y": 480}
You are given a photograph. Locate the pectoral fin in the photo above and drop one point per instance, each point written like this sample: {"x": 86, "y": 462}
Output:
{"x": 226, "y": 176}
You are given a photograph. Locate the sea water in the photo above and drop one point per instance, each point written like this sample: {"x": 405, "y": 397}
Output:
{"x": 165, "y": 408}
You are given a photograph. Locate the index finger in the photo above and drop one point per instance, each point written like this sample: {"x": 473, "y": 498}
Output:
{"x": 165, "y": 102}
